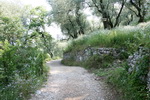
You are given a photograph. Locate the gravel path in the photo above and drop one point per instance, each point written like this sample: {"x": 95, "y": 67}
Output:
{"x": 71, "y": 83}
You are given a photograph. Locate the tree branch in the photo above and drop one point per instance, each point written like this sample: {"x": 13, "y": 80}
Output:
{"x": 133, "y": 11}
{"x": 96, "y": 6}
{"x": 118, "y": 16}
{"x": 136, "y": 6}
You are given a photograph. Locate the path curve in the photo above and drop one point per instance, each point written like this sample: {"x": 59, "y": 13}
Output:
{"x": 71, "y": 83}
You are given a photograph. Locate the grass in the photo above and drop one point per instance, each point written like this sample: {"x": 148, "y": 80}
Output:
{"x": 22, "y": 71}
{"x": 130, "y": 85}
{"x": 97, "y": 61}
{"x": 129, "y": 37}
{"x": 22, "y": 89}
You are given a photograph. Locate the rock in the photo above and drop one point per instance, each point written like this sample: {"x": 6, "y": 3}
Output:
{"x": 132, "y": 60}
{"x": 38, "y": 92}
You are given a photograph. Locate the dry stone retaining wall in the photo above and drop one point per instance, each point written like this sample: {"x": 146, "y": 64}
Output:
{"x": 132, "y": 60}
{"x": 85, "y": 54}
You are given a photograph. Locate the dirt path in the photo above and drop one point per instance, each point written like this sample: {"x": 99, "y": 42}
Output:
{"x": 71, "y": 83}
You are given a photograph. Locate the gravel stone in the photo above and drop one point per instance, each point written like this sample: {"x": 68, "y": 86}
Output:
{"x": 72, "y": 83}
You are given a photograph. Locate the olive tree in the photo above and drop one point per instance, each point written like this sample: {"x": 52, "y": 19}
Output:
{"x": 69, "y": 15}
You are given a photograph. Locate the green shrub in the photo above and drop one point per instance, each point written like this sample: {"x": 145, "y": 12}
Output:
{"x": 123, "y": 55}
{"x": 71, "y": 62}
{"x": 97, "y": 61}
{"x": 130, "y": 84}
{"x": 129, "y": 37}
{"x": 22, "y": 70}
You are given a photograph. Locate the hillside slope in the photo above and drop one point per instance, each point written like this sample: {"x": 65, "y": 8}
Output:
{"x": 121, "y": 55}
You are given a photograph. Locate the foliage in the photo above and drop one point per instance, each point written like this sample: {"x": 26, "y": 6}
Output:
{"x": 11, "y": 9}
{"x": 129, "y": 37}
{"x": 20, "y": 75}
{"x": 109, "y": 12}
{"x": 11, "y": 29}
{"x": 24, "y": 47}
{"x": 97, "y": 61}
{"x": 112, "y": 13}
{"x": 70, "y": 17}
{"x": 131, "y": 86}
{"x": 139, "y": 8}
{"x": 70, "y": 62}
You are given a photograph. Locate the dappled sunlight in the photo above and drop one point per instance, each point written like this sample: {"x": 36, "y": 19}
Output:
{"x": 144, "y": 24}
{"x": 52, "y": 49}
{"x": 77, "y": 97}
{"x": 54, "y": 88}
{"x": 55, "y": 72}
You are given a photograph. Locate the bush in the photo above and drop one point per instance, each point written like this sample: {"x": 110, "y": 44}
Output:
{"x": 131, "y": 85}
{"x": 22, "y": 70}
{"x": 97, "y": 61}
{"x": 129, "y": 37}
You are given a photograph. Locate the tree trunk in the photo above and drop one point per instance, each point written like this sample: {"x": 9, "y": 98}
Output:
{"x": 141, "y": 19}
{"x": 107, "y": 21}
{"x": 78, "y": 16}
{"x": 141, "y": 13}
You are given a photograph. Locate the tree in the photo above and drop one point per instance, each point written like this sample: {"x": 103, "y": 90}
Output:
{"x": 139, "y": 8}
{"x": 110, "y": 14}
{"x": 35, "y": 30}
{"x": 35, "y": 23}
{"x": 68, "y": 13}
{"x": 11, "y": 27}
{"x": 128, "y": 17}
{"x": 28, "y": 28}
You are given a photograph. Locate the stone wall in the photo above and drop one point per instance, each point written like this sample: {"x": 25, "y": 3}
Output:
{"x": 83, "y": 55}
{"x": 132, "y": 60}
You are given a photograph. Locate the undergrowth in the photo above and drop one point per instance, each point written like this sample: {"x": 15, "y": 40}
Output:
{"x": 129, "y": 37}
{"x": 131, "y": 85}
{"x": 22, "y": 71}
{"x": 97, "y": 61}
